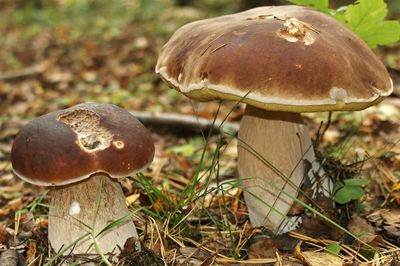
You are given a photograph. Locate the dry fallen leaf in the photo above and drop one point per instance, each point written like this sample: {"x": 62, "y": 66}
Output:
{"x": 321, "y": 258}
{"x": 4, "y": 235}
{"x": 195, "y": 253}
{"x": 262, "y": 247}
{"x": 359, "y": 227}
{"x": 387, "y": 222}
{"x": 31, "y": 253}
{"x": 311, "y": 258}
{"x": 132, "y": 198}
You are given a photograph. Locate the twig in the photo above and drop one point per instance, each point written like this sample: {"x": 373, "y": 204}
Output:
{"x": 184, "y": 123}
{"x": 177, "y": 123}
{"x": 22, "y": 73}
{"x": 320, "y": 135}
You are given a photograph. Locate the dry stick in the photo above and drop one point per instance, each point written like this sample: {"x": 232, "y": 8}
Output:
{"x": 187, "y": 123}
{"x": 320, "y": 135}
{"x": 181, "y": 123}
{"x": 23, "y": 73}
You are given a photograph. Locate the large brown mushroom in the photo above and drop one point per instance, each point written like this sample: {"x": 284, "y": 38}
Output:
{"x": 280, "y": 61}
{"x": 80, "y": 151}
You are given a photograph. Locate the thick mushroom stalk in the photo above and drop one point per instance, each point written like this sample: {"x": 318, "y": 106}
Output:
{"x": 74, "y": 213}
{"x": 273, "y": 147}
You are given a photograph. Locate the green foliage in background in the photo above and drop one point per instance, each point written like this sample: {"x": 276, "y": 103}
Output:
{"x": 107, "y": 18}
{"x": 97, "y": 18}
{"x": 365, "y": 17}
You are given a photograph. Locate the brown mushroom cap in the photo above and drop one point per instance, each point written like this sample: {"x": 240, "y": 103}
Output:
{"x": 283, "y": 58}
{"x": 69, "y": 145}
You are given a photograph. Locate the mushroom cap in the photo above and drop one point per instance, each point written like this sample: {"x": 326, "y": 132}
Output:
{"x": 69, "y": 145}
{"x": 280, "y": 58}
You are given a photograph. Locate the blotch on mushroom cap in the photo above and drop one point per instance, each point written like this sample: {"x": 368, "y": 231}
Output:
{"x": 92, "y": 136}
{"x": 119, "y": 144}
{"x": 254, "y": 57}
{"x": 295, "y": 30}
{"x": 338, "y": 94}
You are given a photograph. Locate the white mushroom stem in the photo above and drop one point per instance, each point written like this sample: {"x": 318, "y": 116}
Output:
{"x": 74, "y": 205}
{"x": 271, "y": 153}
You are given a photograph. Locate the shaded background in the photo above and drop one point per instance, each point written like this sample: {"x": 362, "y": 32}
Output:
{"x": 54, "y": 54}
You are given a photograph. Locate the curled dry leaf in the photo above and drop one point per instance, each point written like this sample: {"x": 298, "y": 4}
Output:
{"x": 4, "y": 235}
{"x": 387, "y": 222}
{"x": 359, "y": 227}
{"x": 321, "y": 258}
{"x": 195, "y": 253}
{"x": 31, "y": 253}
{"x": 311, "y": 258}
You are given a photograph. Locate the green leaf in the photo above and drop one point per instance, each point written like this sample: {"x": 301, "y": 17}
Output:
{"x": 342, "y": 197}
{"x": 363, "y": 12}
{"x": 366, "y": 19}
{"x": 186, "y": 150}
{"x": 348, "y": 193}
{"x": 356, "y": 182}
{"x": 333, "y": 248}
{"x": 338, "y": 185}
{"x": 322, "y": 5}
{"x": 387, "y": 32}
{"x": 355, "y": 192}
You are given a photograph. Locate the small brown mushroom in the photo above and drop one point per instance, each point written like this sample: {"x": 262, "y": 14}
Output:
{"x": 80, "y": 151}
{"x": 280, "y": 61}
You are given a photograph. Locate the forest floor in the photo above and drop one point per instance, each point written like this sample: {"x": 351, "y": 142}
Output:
{"x": 49, "y": 65}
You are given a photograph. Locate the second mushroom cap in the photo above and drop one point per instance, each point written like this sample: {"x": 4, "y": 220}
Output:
{"x": 283, "y": 58}
{"x": 69, "y": 145}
